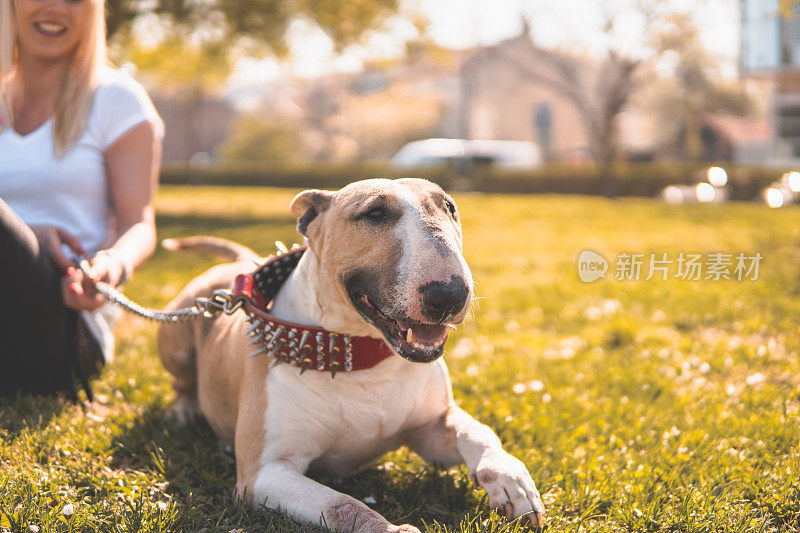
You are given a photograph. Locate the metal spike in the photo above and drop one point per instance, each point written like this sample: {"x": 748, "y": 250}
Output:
{"x": 280, "y": 246}
{"x": 278, "y": 348}
{"x": 277, "y": 334}
{"x": 279, "y": 360}
{"x": 260, "y": 350}
{"x": 292, "y": 346}
{"x": 332, "y": 348}
{"x": 254, "y": 327}
{"x": 306, "y": 365}
{"x": 304, "y": 338}
{"x": 304, "y": 351}
{"x": 348, "y": 353}
{"x": 320, "y": 338}
{"x": 257, "y": 338}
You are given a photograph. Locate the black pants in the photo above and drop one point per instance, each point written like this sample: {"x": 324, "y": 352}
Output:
{"x": 44, "y": 347}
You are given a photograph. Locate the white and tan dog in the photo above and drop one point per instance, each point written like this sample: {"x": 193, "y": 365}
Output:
{"x": 384, "y": 261}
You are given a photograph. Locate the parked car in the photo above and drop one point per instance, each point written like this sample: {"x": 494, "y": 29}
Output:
{"x": 504, "y": 154}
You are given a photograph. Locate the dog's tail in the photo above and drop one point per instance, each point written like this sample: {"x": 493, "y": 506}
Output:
{"x": 212, "y": 245}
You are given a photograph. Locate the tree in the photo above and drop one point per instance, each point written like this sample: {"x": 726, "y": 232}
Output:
{"x": 599, "y": 94}
{"x": 256, "y": 139}
{"x": 197, "y": 42}
{"x": 681, "y": 101}
{"x": 257, "y": 24}
{"x": 190, "y": 73}
{"x": 382, "y": 122}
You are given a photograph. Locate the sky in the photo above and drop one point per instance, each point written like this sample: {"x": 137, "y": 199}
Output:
{"x": 467, "y": 23}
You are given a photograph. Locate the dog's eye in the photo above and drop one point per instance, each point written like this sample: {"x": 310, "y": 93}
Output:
{"x": 376, "y": 214}
{"x": 451, "y": 207}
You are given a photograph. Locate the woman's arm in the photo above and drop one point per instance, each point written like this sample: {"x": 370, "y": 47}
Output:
{"x": 132, "y": 165}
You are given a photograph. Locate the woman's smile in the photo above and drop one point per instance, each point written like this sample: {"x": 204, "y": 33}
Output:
{"x": 50, "y": 29}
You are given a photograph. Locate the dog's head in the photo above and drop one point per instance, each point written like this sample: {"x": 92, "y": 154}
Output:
{"x": 391, "y": 251}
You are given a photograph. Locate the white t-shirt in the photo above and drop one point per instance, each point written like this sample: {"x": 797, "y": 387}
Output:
{"x": 72, "y": 192}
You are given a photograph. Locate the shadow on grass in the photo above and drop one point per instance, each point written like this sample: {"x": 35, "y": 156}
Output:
{"x": 28, "y": 411}
{"x": 201, "y": 471}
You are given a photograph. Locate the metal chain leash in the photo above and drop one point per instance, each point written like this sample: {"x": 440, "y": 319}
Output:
{"x": 220, "y": 301}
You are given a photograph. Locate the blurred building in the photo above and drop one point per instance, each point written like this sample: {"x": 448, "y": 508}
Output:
{"x": 502, "y": 98}
{"x": 485, "y": 93}
{"x": 732, "y": 138}
{"x": 193, "y": 125}
{"x": 770, "y": 53}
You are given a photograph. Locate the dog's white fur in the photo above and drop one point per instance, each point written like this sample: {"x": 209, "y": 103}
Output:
{"x": 283, "y": 424}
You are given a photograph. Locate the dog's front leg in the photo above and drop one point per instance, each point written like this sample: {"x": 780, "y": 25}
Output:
{"x": 457, "y": 437}
{"x": 279, "y": 485}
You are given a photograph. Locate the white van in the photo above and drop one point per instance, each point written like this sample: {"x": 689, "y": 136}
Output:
{"x": 504, "y": 154}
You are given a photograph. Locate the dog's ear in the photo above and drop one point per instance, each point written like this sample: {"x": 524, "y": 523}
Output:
{"x": 308, "y": 205}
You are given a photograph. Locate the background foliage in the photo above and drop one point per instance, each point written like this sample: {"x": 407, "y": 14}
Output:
{"x": 259, "y": 23}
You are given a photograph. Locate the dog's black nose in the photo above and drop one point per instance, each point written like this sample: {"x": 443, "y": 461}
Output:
{"x": 442, "y": 300}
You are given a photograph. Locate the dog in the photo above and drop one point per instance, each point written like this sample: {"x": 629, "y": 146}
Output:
{"x": 384, "y": 262}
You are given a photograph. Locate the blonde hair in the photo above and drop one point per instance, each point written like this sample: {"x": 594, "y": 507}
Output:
{"x": 74, "y": 99}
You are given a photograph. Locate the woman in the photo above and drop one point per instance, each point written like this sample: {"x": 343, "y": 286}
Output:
{"x": 79, "y": 152}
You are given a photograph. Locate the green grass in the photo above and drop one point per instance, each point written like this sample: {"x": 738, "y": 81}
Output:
{"x": 637, "y": 406}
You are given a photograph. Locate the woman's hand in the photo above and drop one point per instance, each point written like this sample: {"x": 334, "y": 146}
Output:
{"x": 52, "y": 238}
{"x": 78, "y": 290}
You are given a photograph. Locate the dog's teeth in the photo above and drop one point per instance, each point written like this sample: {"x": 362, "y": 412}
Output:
{"x": 410, "y": 336}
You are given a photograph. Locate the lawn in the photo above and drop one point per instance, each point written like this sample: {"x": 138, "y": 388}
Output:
{"x": 637, "y": 405}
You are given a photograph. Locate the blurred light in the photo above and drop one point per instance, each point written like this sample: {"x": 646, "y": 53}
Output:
{"x": 717, "y": 176}
{"x": 774, "y": 197}
{"x": 705, "y": 193}
{"x": 672, "y": 195}
{"x": 778, "y": 197}
{"x": 793, "y": 181}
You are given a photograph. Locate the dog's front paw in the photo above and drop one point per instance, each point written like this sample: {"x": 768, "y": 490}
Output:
{"x": 509, "y": 486}
{"x": 351, "y": 516}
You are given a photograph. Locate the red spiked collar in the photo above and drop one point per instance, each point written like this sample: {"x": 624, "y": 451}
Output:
{"x": 306, "y": 347}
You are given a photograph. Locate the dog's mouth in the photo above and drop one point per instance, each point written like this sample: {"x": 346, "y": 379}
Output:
{"x": 416, "y": 341}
